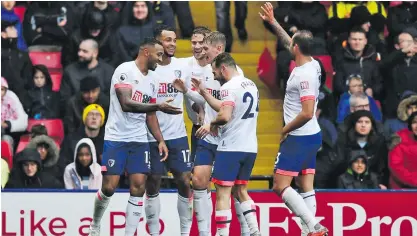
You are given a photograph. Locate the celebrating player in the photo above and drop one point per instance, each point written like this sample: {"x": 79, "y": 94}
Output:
{"x": 238, "y": 144}
{"x": 132, "y": 108}
{"x": 174, "y": 133}
{"x": 301, "y": 135}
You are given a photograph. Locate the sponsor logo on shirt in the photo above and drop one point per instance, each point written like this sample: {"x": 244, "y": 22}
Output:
{"x": 214, "y": 93}
{"x": 140, "y": 97}
{"x": 304, "y": 85}
{"x": 167, "y": 90}
{"x": 224, "y": 93}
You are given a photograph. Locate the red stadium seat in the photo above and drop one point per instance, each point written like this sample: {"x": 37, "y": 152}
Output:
{"x": 25, "y": 139}
{"x": 56, "y": 81}
{"x": 20, "y": 12}
{"x": 52, "y": 60}
{"x": 55, "y": 127}
{"x": 395, "y": 3}
{"x": 7, "y": 153}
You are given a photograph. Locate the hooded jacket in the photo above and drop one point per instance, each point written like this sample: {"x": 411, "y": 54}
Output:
{"x": 50, "y": 163}
{"x": 12, "y": 113}
{"x": 73, "y": 180}
{"x": 391, "y": 126}
{"x": 42, "y": 103}
{"x": 18, "y": 178}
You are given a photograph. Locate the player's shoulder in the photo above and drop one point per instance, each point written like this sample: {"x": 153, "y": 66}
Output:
{"x": 125, "y": 66}
{"x": 309, "y": 70}
{"x": 240, "y": 71}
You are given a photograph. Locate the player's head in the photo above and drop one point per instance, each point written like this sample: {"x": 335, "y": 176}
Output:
{"x": 87, "y": 51}
{"x": 197, "y": 40}
{"x": 151, "y": 50}
{"x": 223, "y": 67}
{"x": 301, "y": 43}
{"x": 214, "y": 44}
{"x": 167, "y": 36}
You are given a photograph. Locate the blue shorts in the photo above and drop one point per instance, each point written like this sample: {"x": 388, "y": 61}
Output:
{"x": 130, "y": 156}
{"x": 298, "y": 154}
{"x": 232, "y": 168}
{"x": 205, "y": 154}
{"x": 179, "y": 158}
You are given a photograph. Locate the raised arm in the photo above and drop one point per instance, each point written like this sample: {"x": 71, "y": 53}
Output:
{"x": 267, "y": 15}
{"x": 212, "y": 101}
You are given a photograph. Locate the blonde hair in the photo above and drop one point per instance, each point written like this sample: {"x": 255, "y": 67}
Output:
{"x": 215, "y": 38}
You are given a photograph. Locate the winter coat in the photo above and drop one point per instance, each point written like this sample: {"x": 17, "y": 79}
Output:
{"x": 401, "y": 17}
{"x": 74, "y": 111}
{"x": 112, "y": 16}
{"x": 343, "y": 108}
{"x": 403, "y": 160}
{"x": 346, "y": 64}
{"x": 50, "y": 163}
{"x": 18, "y": 178}
{"x": 351, "y": 180}
{"x": 391, "y": 126}
{"x": 12, "y": 113}
{"x": 73, "y": 180}
{"x": 10, "y": 16}
{"x": 42, "y": 103}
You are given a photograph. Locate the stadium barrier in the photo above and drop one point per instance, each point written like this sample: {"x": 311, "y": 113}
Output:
{"x": 345, "y": 213}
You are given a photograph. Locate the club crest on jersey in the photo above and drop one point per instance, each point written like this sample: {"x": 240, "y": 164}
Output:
{"x": 177, "y": 74}
{"x": 140, "y": 97}
{"x": 123, "y": 76}
{"x": 304, "y": 85}
{"x": 111, "y": 162}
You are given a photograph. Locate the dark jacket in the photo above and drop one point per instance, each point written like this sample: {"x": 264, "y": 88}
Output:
{"x": 18, "y": 178}
{"x": 10, "y": 16}
{"x": 76, "y": 71}
{"x": 163, "y": 14}
{"x": 42, "y": 103}
{"x": 347, "y": 63}
{"x": 112, "y": 16}
{"x": 74, "y": 111}
{"x": 401, "y": 17}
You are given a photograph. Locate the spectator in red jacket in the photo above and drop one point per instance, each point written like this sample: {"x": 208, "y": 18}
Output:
{"x": 403, "y": 156}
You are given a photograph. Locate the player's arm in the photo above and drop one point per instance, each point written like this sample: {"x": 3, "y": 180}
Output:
{"x": 267, "y": 14}
{"x": 153, "y": 126}
{"x": 224, "y": 114}
{"x": 194, "y": 96}
{"x": 212, "y": 101}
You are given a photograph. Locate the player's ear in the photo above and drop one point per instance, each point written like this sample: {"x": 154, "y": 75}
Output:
{"x": 146, "y": 51}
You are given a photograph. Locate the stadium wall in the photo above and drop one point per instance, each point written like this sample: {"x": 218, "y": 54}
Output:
{"x": 345, "y": 213}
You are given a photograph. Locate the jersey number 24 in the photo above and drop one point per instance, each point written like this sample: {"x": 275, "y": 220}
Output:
{"x": 247, "y": 97}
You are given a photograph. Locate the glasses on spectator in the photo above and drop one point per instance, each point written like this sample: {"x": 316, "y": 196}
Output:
{"x": 362, "y": 106}
{"x": 356, "y": 86}
{"x": 94, "y": 114}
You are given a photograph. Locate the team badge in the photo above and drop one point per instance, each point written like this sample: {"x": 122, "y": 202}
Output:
{"x": 123, "y": 76}
{"x": 177, "y": 74}
{"x": 111, "y": 162}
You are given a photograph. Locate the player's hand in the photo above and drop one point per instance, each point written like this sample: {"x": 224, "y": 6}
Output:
{"x": 163, "y": 151}
{"x": 180, "y": 85}
{"x": 214, "y": 130}
{"x": 200, "y": 117}
{"x": 383, "y": 187}
{"x": 283, "y": 137}
{"x": 198, "y": 85}
{"x": 267, "y": 13}
{"x": 203, "y": 131}
{"x": 167, "y": 108}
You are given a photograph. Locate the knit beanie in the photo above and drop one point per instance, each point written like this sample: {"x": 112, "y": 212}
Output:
{"x": 94, "y": 107}
{"x": 359, "y": 16}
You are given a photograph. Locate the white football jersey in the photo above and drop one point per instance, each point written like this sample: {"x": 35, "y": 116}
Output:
{"x": 239, "y": 134}
{"x": 303, "y": 84}
{"x": 172, "y": 126}
{"x": 126, "y": 126}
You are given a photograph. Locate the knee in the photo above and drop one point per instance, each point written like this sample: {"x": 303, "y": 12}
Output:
{"x": 108, "y": 190}
{"x": 137, "y": 190}
{"x": 183, "y": 183}
{"x": 153, "y": 184}
{"x": 276, "y": 188}
{"x": 240, "y": 191}
{"x": 199, "y": 181}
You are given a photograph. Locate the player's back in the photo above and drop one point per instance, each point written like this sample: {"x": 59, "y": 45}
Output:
{"x": 126, "y": 126}
{"x": 239, "y": 134}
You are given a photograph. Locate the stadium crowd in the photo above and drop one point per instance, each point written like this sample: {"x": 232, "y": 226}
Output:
{"x": 368, "y": 119}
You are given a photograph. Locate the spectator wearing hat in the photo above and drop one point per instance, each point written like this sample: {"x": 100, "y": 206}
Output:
{"x": 15, "y": 63}
{"x": 7, "y": 14}
{"x": 403, "y": 156}
{"x": 88, "y": 64}
{"x": 90, "y": 93}
{"x": 93, "y": 119}
{"x": 400, "y": 70}
{"x": 401, "y": 17}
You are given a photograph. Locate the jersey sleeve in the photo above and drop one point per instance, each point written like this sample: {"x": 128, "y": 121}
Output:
{"x": 228, "y": 96}
{"x": 307, "y": 87}
{"x": 121, "y": 79}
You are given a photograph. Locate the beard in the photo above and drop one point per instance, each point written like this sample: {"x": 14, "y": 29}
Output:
{"x": 85, "y": 61}
{"x": 221, "y": 79}
{"x": 152, "y": 66}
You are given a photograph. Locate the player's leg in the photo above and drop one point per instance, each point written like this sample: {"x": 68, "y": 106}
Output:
{"x": 114, "y": 158}
{"x": 247, "y": 205}
{"x": 152, "y": 186}
{"x": 180, "y": 165}
{"x": 244, "y": 228}
{"x": 306, "y": 190}
{"x": 137, "y": 166}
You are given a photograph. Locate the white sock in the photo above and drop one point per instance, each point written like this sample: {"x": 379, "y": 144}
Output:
{"x": 249, "y": 211}
{"x": 296, "y": 204}
{"x": 185, "y": 211}
{"x": 244, "y": 228}
{"x": 210, "y": 207}
{"x": 223, "y": 219}
{"x": 101, "y": 202}
{"x": 201, "y": 211}
{"x": 152, "y": 210}
{"x": 310, "y": 200}
{"x": 133, "y": 212}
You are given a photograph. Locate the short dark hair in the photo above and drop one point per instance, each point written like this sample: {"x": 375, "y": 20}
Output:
{"x": 148, "y": 41}
{"x": 304, "y": 40}
{"x": 38, "y": 130}
{"x": 215, "y": 37}
{"x": 202, "y": 30}
{"x": 224, "y": 58}
{"x": 357, "y": 29}
{"x": 158, "y": 30}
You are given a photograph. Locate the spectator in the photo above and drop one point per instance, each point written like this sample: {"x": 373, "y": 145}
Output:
{"x": 357, "y": 57}
{"x": 90, "y": 93}
{"x": 49, "y": 152}
{"x": 361, "y": 135}
{"x": 139, "y": 25}
{"x": 163, "y": 14}
{"x": 14, "y": 120}
{"x": 223, "y": 20}
{"x": 7, "y": 14}
{"x": 27, "y": 172}
{"x": 41, "y": 102}
{"x": 15, "y": 64}
{"x": 94, "y": 26}
{"x": 357, "y": 175}
{"x": 402, "y": 157}
{"x": 407, "y": 106}
{"x": 88, "y": 65}
{"x": 48, "y": 23}
{"x": 185, "y": 19}
{"x": 401, "y": 17}
{"x": 93, "y": 119}
{"x": 400, "y": 70}
{"x": 111, "y": 15}
{"x": 84, "y": 172}
{"x": 38, "y": 130}
{"x": 5, "y": 171}
{"x": 347, "y": 105}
